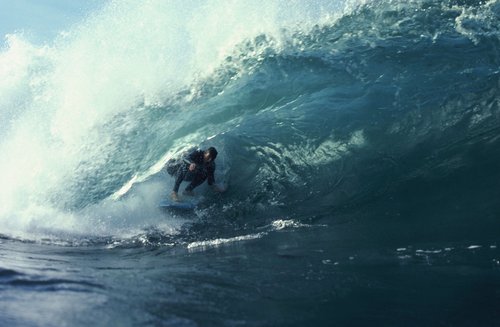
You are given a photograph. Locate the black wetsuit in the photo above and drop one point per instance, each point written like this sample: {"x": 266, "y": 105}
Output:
{"x": 204, "y": 170}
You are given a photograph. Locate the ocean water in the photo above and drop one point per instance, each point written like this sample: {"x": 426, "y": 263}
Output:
{"x": 358, "y": 141}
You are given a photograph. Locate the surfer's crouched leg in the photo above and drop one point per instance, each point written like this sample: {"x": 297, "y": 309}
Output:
{"x": 197, "y": 180}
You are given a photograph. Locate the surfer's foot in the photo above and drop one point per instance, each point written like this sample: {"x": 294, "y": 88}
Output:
{"x": 174, "y": 196}
{"x": 188, "y": 193}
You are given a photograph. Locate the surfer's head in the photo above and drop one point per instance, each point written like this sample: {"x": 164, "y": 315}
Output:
{"x": 210, "y": 154}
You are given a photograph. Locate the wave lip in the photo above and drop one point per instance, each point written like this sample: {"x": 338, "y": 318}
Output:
{"x": 329, "y": 110}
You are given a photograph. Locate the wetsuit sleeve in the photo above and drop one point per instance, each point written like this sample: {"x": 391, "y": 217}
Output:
{"x": 210, "y": 174}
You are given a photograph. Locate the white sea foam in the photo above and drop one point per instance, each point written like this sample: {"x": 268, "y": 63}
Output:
{"x": 290, "y": 223}
{"x": 277, "y": 225}
{"x": 220, "y": 241}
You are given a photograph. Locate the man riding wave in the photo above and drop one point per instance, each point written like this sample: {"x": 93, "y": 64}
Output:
{"x": 196, "y": 167}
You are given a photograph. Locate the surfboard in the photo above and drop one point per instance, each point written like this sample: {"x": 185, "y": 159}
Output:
{"x": 184, "y": 203}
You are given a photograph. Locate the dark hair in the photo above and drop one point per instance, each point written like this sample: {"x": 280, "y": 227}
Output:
{"x": 213, "y": 153}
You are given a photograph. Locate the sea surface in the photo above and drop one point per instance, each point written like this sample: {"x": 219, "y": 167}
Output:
{"x": 359, "y": 142}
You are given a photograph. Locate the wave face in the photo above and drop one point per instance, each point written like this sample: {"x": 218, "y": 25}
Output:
{"x": 387, "y": 110}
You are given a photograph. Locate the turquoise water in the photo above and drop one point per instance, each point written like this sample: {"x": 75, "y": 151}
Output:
{"x": 358, "y": 141}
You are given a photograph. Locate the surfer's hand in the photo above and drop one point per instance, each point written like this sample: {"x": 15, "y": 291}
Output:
{"x": 192, "y": 167}
{"x": 218, "y": 189}
{"x": 174, "y": 196}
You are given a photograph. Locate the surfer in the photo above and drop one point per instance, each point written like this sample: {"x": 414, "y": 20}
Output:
{"x": 196, "y": 167}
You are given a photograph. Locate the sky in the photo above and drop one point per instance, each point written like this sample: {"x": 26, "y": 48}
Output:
{"x": 41, "y": 21}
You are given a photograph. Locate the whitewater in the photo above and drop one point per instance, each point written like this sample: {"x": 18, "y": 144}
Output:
{"x": 358, "y": 142}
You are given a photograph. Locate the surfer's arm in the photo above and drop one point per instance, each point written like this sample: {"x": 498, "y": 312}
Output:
{"x": 192, "y": 158}
{"x": 210, "y": 174}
